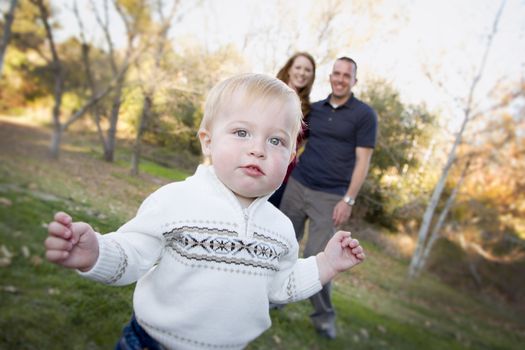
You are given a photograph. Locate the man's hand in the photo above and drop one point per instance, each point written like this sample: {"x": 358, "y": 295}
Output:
{"x": 341, "y": 213}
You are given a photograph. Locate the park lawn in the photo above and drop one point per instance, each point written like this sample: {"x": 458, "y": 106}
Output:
{"x": 43, "y": 306}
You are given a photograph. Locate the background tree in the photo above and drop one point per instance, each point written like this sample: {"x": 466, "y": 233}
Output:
{"x": 404, "y": 129}
{"x": 21, "y": 86}
{"x": 469, "y": 113}
{"x": 58, "y": 77}
{"x": 156, "y": 76}
{"x": 8, "y": 21}
{"x": 135, "y": 16}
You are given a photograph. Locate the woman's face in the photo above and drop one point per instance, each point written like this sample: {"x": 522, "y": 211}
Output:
{"x": 301, "y": 73}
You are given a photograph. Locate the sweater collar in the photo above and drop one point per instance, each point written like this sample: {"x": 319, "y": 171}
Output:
{"x": 208, "y": 172}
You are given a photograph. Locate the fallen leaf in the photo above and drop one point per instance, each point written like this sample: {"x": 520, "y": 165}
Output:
{"x": 10, "y": 289}
{"x": 6, "y": 202}
{"x": 5, "y": 252}
{"x": 5, "y": 262}
{"x": 36, "y": 260}
{"x": 53, "y": 291}
{"x": 25, "y": 251}
{"x": 364, "y": 332}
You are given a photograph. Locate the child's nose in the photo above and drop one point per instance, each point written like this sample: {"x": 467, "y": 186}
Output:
{"x": 257, "y": 149}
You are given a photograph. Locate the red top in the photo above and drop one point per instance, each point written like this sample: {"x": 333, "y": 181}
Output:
{"x": 300, "y": 137}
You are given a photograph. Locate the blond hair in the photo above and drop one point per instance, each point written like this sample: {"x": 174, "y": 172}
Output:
{"x": 249, "y": 88}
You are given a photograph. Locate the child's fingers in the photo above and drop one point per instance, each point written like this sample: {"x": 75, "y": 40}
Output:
{"x": 357, "y": 250}
{"x": 58, "y": 229}
{"x": 56, "y": 255}
{"x": 77, "y": 230}
{"x": 57, "y": 248}
{"x": 56, "y": 243}
{"x": 350, "y": 242}
{"x": 343, "y": 235}
{"x": 63, "y": 218}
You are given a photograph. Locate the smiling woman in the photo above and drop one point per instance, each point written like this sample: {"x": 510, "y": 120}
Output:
{"x": 299, "y": 74}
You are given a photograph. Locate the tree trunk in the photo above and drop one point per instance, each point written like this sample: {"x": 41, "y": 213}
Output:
{"x": 439, "y": 224}
{"x": 109, "y": 151}
{"x": 135, "y": 160}
{"x": 150, "y": 89}
{"x": 57, "y": 130}
{"x": 58, "y": 74}
{"x": 9, "y": 17}
{"x": 434, "y": 200}
{"x": 56, "y": 139}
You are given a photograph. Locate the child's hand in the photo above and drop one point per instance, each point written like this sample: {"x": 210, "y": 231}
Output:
{"x": 341, "y": 253}
{"x": 71, "y": 244}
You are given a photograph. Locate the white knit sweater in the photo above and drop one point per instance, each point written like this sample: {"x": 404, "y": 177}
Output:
{"x": 205, "y": 267}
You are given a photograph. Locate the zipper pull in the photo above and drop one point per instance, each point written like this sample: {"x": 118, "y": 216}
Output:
{"x": 246, "y": 218}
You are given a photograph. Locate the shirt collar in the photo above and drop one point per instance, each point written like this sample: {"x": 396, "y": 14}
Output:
{"x": 347, "y": 104}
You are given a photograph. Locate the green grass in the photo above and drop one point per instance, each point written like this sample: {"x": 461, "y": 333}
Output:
{"x": 43, "y": 306}
{"x": 157, "y": 170}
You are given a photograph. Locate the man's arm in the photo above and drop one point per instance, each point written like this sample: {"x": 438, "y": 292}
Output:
{"x": 342, "y": 210}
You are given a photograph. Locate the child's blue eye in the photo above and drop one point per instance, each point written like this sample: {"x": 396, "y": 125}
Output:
{"x": 275, "y": 141}
{"x": 241, "y": 133}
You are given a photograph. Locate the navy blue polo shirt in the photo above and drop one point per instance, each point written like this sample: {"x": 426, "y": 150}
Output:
{"x": 333, "y": 134}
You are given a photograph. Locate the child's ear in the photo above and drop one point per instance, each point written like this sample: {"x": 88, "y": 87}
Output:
{"x": 205, "y": 139}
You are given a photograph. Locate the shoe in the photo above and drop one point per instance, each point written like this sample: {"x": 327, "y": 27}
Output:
{"x": 327, "y": 331}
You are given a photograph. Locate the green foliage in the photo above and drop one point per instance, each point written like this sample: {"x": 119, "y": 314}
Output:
{"x": 403, "y": 130}
{"x": 28, "y": 32}
{"x": 137, "y": 13}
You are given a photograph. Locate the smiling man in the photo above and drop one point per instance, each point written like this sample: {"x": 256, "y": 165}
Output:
{"x": 324, "y": 186}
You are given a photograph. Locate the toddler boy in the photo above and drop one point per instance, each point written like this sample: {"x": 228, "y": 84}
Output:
{"x": 209, "y": 253}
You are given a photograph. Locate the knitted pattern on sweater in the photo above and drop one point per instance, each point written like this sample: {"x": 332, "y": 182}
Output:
{"x": 206, "y": 268}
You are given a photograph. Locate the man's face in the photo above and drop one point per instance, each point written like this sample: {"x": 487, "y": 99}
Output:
{"x": 342, "y": 79}
{"x": 250, "y": 148}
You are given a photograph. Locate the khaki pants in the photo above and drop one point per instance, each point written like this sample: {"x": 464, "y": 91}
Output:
{"x": 300, "y": 203}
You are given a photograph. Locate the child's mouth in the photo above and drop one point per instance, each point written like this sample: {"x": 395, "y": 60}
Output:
{"x": 253, "y": 170}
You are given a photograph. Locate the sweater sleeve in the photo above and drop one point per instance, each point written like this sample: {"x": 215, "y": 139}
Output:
{"x": 297, "y": 279}
{"x": 131, "y": 251}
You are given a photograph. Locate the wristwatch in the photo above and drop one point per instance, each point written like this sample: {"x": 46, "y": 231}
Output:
{"x": 349, "y": 200}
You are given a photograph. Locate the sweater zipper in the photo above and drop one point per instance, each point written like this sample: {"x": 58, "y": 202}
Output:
{"x": 246, "y": 218}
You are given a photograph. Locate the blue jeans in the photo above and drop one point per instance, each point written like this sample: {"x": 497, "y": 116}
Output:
{"x": 134, "y": 337}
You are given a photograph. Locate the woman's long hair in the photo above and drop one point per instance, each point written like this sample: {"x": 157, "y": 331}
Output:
{"x": 304, "y": 93}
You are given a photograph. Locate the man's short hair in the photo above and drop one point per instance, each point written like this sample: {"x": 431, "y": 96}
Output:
{"x": 348, "y": 59}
